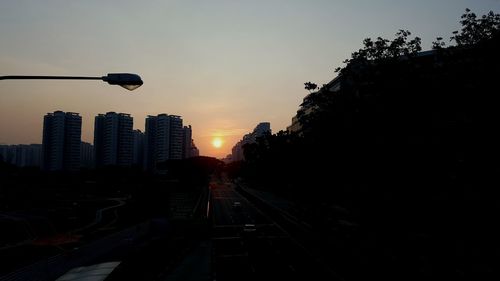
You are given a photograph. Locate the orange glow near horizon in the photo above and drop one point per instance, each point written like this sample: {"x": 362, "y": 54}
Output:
{"x": 217, "y": 142}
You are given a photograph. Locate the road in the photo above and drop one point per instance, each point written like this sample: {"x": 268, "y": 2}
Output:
{"x": 264, "y": 251}
{"x": 98, "y": 221}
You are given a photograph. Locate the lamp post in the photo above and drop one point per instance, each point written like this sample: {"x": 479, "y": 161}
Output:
{"x": 128, "y": 81}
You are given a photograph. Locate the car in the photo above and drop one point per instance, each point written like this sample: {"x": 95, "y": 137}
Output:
{"x": 249, "y": 231}
{"x": 249, "y": 228}
{"x": 237, "y": 205}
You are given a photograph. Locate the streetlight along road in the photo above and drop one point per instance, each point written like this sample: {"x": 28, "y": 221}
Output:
{"x": 128, "y": 81}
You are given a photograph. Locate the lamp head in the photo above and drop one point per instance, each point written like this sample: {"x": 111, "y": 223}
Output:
{"x": 128, "y": 81}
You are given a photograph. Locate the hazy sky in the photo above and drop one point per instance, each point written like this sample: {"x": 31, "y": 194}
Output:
{"x": 224, "y": 66}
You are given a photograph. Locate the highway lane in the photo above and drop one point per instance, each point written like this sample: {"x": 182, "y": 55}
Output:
{"x": 248, "y": 245}
{"x": 99, "y": 217}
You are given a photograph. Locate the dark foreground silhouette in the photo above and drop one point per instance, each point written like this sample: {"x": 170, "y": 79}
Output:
{"x": 395, "y": 163}
{"x": 391, "y": 173}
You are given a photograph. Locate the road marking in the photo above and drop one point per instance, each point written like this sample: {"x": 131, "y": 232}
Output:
{"x": 244, "y": 255}
{"x": 226, "y": 238}
{"x": 240, "y": 225}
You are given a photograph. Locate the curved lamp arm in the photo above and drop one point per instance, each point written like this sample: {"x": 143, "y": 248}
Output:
{"x": 128, "y": 81}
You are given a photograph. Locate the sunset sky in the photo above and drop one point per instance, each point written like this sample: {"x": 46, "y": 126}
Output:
{"x": 224, "y": 66}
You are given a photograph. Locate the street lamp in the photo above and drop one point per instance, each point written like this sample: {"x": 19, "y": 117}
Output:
{"x": 128, "y": 81}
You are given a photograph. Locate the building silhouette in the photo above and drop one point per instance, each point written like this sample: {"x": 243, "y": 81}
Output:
{"x": 4, "y": 153}
{"x": 150, "y": 142}
{"x": 113, "y": 139}
{"x": 260, "y": 130}
{"x": 61, "y": 141}
{"x": 86, "y": 155}
{"x": 175, "y": 137}
{"x": 306, "y": 107}
{"x": 138, "y": 152}
{"x": 166, "y": 139}
{"x": 189, "y": 149}
{"x": 187, "y": 141}
{"x": 22, "y": 155}
{"x": 195, "y": 152}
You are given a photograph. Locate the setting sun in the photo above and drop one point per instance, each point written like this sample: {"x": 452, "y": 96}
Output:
{"x": 217, "y": 142}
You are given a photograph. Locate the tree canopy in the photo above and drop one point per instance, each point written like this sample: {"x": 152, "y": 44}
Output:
{"x": 310, "y": 86}
{"x": 382, "y": 48}
{"x": 475, "y": 30}
{"x": 407, "y": 144}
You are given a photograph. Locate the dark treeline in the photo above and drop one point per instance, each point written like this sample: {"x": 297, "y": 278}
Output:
{"x": 405, "y": 143}
{"x": 147, "y": 193}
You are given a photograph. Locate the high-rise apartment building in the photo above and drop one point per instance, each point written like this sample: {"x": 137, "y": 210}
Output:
{"x": 113, "y": 139}
{"x": 150, "y": 129}
{"x": 176, "y": 137}
{"x": 22, "y": 155}
{"x": 260, "y": 130}
{"x": 61, "y": 141}
{"x": 4, "y": 153}
{"x": 164, "y": 139}
{"x": 194, "y": 150}
{"x": 187, "y": 141}
{"x": 86, "y": 155}
{"x": 138, "y": 152}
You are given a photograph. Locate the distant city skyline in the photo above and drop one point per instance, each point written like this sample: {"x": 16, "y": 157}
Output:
{"x": 223, "y": 66}
{"x": 115, "y": 143}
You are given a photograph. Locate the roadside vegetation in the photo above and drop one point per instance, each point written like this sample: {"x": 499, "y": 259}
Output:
{"x": 398, "y": 165}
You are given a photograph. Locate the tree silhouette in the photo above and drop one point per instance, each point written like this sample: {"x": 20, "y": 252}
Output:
{"x": 383, "y": 49}
{"x": 475, "y": 30}
{"x": 310, "y": 86}
{"x": 438, "y": 44}
{"x": 406, "y": 144}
